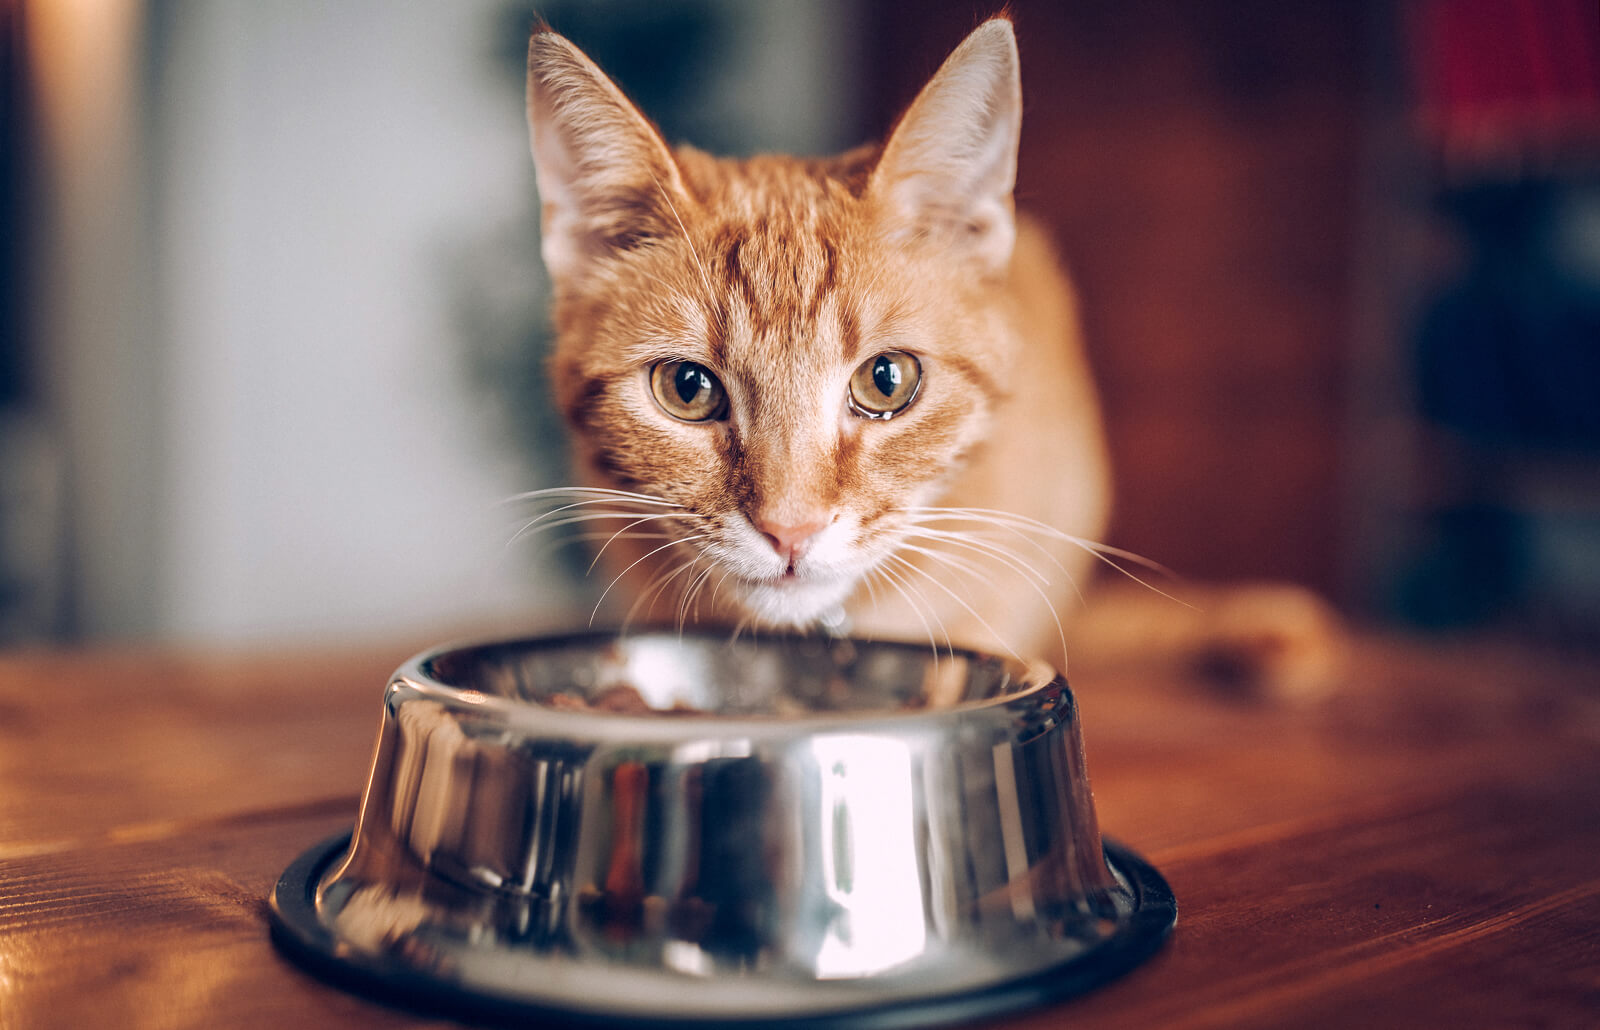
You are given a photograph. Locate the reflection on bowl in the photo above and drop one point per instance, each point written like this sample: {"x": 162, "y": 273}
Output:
{"x": 680, "y": 828}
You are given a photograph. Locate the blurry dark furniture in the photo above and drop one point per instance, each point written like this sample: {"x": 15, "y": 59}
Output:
{"x": 1198, "y": 164}
{"x": 1340, "y": 283}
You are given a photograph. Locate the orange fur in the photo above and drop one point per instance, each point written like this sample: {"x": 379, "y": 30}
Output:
{"x": 780, "y": 277}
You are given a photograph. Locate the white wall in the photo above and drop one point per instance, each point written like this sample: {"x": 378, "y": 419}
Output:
{"x": 300, "y": 453}
{"x": 327, "y": 472}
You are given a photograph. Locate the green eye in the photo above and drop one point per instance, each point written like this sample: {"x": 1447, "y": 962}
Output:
{"x": 688, "y": 391}
{"x": 885, "y": 385}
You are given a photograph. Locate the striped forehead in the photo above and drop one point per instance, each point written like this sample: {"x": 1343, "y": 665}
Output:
{"x": 782, "y": 287}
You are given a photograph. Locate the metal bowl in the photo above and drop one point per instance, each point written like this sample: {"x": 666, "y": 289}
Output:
{"x": 679, "y": 829}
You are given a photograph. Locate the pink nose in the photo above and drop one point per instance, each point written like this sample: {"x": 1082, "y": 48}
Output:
{"x": 791, "y": 541}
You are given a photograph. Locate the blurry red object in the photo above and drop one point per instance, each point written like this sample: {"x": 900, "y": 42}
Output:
{"x": 1507, "y": 81}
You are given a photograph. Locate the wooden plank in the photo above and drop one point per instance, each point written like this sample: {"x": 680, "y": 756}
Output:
{"x": 1418, "y": 851}
{"x": 1476, "y": 910}
{"x": 1310, "y": 923}
{"x": 168, "y": 932}
{"x": 130, "y": 739}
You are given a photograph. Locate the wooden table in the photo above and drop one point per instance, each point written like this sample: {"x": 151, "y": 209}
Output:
{"x": 1423, "y": 850}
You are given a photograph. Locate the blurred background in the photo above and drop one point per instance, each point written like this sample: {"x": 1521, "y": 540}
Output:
{"x": 272, "y": 319}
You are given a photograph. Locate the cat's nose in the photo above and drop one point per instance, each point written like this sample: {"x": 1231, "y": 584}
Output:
{"x": 791, "y": 540}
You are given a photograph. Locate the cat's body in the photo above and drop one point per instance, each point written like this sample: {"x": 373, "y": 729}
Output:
{"x": 1043, "y": 458}
{"x": 846, "y": 391}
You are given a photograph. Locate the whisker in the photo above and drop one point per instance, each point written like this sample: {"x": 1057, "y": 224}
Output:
{"x": 905, "y": 589}
{"x": 597, "y": 492}
{"x": 958, "y": 600}
{"x": 591, "y": 516}
{"x": 689, "y": 591}
{"x": 602, "y": 550}
{"x": 581, "y": 497}
{"x": 872, "y": 593}
{"x": 615, "y": 502}
{"x": 622, "y": 534}
{"x": 1005, "y": 556}
{"x": 963, "y": 565}
{"x": 711, "y": 292}
{"x": 1102, "y": 552}
{"x": 600, "y": 506}
{"x": 1036, "y": 586}
{"x": 1009, "y": 559}
{"x": 994, "y": 516}
{"x": 655, "y": 587}
{"x": 683, "y": 594}
{"x": 716, "y": 591}
{"x": 1011, "y": 531}
{"x": 697, "y": 592}
{"x": 1141, "y": 581}
{"x": 618, "y": 577}
{"x": 987, "y": 534}
{"x": 551, "y": 546}
{"x": 662, "y": 281}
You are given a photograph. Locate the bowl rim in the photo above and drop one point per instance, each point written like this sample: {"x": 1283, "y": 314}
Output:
{"x": 1030, "y": 684}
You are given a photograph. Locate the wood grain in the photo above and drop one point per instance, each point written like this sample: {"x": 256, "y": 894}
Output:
{"x": 1421, "y": 850}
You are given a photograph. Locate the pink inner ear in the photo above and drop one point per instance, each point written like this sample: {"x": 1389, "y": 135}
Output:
{"x": 606, "y": 178}
{"x": 949, "y": 167}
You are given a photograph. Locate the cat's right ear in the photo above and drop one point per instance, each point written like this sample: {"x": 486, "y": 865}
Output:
{"x": 606, "y": 178}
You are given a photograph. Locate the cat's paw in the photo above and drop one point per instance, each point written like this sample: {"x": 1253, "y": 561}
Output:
{"x": 1252, "y": 641}
{"x": 1268, "y": 641}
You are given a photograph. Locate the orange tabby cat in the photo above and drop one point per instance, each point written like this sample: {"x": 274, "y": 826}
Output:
{"x": 847, "y": 392}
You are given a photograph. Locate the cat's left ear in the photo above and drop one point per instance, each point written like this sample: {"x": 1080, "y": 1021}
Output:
{"x": 951, "y": 162}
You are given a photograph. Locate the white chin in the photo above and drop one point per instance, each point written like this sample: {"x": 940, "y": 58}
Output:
{"x": 793, "y": 604}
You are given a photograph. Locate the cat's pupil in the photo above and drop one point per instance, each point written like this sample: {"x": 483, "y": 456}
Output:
{"x": 886, "y": 376}
{"x": 690, "y": 380}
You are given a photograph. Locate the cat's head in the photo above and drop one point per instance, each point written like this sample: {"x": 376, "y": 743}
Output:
{"x": 795, "y": 352}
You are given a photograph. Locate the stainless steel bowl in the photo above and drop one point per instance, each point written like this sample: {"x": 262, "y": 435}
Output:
{"x": 679, "y": 829}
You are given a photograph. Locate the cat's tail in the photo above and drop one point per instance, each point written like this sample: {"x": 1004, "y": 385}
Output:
{"x": 1264, "y": 641}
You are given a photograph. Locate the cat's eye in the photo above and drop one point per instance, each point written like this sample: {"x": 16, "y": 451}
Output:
{"x": 687, "y": 390}
{"x": 885, "y": 385}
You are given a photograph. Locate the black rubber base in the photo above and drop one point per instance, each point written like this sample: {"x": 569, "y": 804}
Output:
{"x": 301, "y": 936}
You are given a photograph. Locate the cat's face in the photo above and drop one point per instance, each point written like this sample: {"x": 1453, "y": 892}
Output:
{"x": 794, "y": 354}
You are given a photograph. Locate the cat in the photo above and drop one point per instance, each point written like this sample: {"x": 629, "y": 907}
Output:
{"x": 846, "y": 392}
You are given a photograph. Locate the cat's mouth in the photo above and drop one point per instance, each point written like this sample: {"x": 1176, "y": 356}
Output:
{"x": 792, "y": 597}
{"x": 788, "y": 579}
